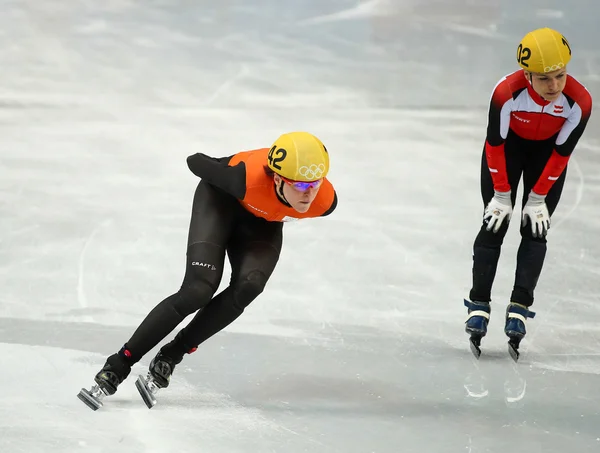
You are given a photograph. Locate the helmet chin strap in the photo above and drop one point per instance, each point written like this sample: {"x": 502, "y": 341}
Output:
{"x": 531, "y": 83}
{"x": 280, "y": 195}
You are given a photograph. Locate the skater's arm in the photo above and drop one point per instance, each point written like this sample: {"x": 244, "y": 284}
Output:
{"x": 217, "y": 172}
{"x": 566, "y": 141}
{"x": 497, "y": 130}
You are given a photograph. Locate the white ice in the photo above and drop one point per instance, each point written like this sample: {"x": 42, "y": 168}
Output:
{"x": 357, "y": 345}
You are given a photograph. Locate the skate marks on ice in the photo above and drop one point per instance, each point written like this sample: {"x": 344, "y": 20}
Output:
{"x": 404, "y": 382}
{"x": 39, "y": 413}
{"x": 457, "y": 15}
{"x": 476, "y": 382}
{"x": 498, "y": 375}
{"x": 354, "y": 11}
{"x": 310, "y": 394}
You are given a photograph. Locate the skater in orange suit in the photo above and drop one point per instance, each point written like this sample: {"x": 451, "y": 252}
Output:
{"x": 239, "y": 208}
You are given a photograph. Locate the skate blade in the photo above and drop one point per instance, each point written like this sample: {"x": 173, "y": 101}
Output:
{"x": 513, "y": 351}
{"x": 90, "y": 401}
{"x": 145, "y": 392}
{"x": 475, "y": 349}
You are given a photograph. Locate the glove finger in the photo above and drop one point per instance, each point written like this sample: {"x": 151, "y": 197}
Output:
{"x": 497, "y": 225}
{"x": 533, "y": 227}
{"x": 491, "y": 222}
{"x": 540, "y": 229}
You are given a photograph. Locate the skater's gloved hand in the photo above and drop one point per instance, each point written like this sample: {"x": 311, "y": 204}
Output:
{"x": 498, "y": 210}
{"x": 536, "y": 212}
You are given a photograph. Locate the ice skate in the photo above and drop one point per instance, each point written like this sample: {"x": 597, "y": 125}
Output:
{"x": 476, "y": 324}
{"x": 516, "y": 315}
{"x": 107, "y": 380}
{"x": 159, "y": 376}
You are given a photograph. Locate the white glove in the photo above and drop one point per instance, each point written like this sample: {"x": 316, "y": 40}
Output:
{"x": 537, "y": 212}
{"x": 498, "y": 209}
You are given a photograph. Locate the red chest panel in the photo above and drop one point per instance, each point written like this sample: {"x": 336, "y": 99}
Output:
{"x": 536, "y": 126}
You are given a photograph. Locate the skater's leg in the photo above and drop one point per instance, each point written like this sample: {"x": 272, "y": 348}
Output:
{"x": 487, "y": 245}
{"x": 210, "y": 228}
{"x": 532, "y": 250}
{"x": 253, "y": 253}
{"x": 198, "y": 287}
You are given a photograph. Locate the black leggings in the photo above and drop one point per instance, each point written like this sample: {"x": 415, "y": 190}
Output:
{"x": 219, "y": 225}
{"x": 528, "y": 159}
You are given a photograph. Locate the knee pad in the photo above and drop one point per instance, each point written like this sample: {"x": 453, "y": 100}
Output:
{"x": 193, "y": 295}
{"x": 249, "y": 288}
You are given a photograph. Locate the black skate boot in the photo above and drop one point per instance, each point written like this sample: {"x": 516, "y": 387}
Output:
{"x": 115, "y": 370}
{"x": 161, "y": 369}
{"x": 516, "y": 315}
{"x": 476, "y": 324}
{"x": 159, "y": 376}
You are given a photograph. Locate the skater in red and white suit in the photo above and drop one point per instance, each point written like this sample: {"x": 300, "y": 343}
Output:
{"x": 536, "y": 117}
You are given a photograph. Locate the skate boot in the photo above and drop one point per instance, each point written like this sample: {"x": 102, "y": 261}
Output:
{"x": 476, "y": 324}
{"x": 115, "y": 370}
{"x": 159, "y": 376}
{"x": 516, "y": 315}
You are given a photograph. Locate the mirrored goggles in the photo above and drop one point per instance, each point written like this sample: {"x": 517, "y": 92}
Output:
{"x": 303, "y": 186}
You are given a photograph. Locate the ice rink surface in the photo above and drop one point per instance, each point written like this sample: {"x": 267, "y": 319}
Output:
{"x": 357, "y": 345}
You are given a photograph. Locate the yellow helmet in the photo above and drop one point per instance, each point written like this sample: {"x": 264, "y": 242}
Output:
{"x": 299, "y": 156}
{"x": 543, "y": 50}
